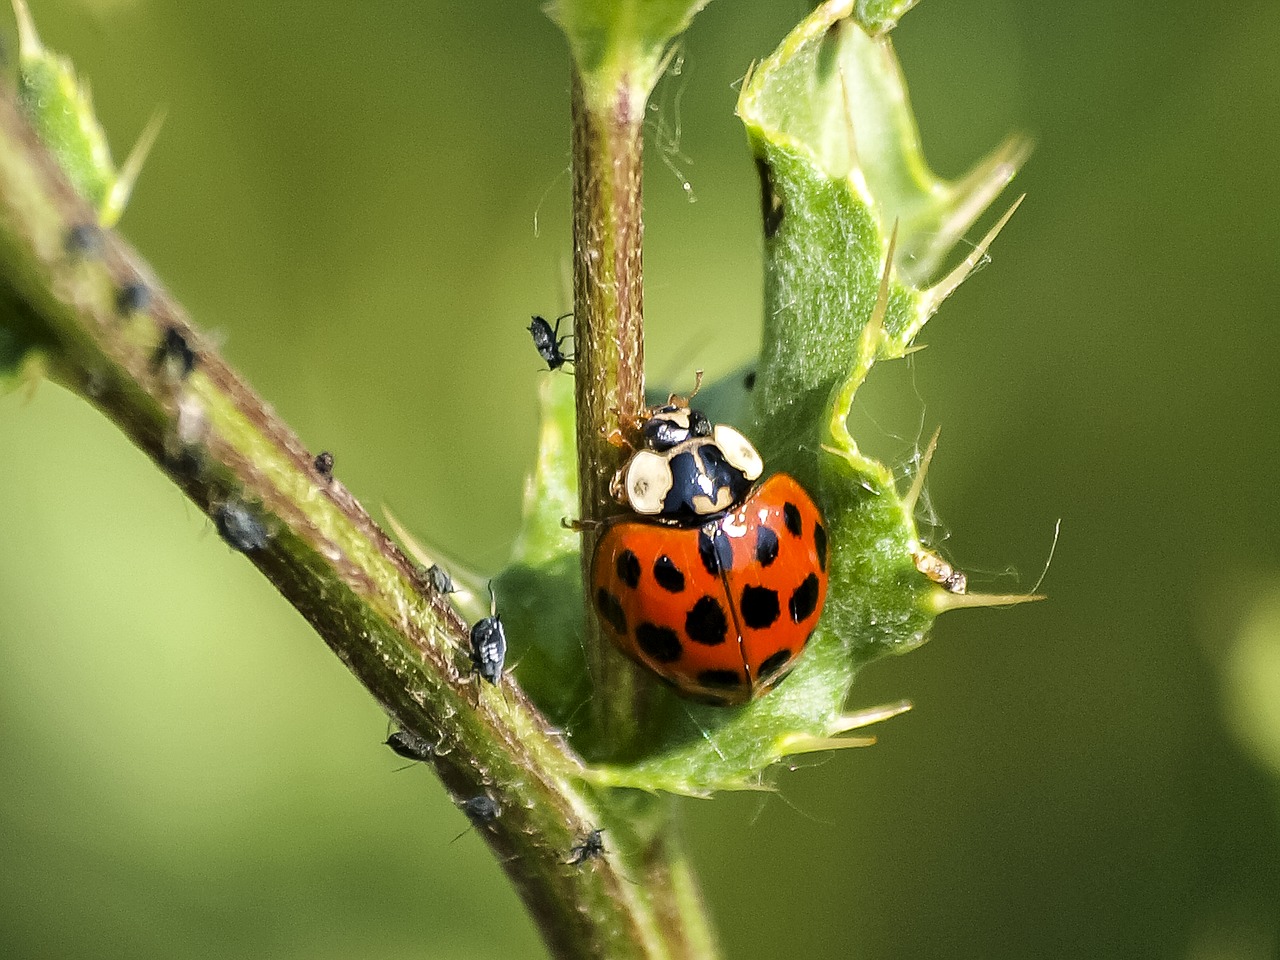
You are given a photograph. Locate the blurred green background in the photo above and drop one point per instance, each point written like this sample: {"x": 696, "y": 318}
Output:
{"x": 366, "y": 201}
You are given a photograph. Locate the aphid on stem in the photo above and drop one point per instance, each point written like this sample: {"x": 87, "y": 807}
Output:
{"x": 547, "y": 341}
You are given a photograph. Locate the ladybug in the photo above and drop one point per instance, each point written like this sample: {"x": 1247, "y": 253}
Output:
{"x": 547, "y": 341}
{"x": 717, "y": 583}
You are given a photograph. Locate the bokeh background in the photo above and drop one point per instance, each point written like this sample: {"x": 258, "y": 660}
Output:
{"x": 366, "y": 201}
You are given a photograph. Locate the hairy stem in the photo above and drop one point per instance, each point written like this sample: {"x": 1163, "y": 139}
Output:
{"x": 608, "y": 304}
{"x": 609, "y": 370}
{"x": 213, "y": 436}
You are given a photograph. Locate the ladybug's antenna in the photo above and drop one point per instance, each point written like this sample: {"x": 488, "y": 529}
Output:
{"x": 675, "y": 399}
{"x": 493, "y": 601}
{"x": 697, "y": 385}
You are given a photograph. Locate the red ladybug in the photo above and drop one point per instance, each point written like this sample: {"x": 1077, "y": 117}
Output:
{"x": 718, "y": 602}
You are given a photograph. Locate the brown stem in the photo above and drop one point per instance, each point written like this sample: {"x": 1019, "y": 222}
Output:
{"x": 609, "y": 348}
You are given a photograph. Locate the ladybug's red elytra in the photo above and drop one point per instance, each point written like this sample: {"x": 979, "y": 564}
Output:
{"x": 715, "y": 585}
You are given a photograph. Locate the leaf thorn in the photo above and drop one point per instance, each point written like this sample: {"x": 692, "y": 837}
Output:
{"x": 917, "y": 482}
{"x": 935, "y": 295}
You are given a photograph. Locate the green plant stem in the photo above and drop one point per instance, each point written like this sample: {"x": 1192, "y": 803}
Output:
{"x": 608, "y": 300}
{"x": 214, "y": 437}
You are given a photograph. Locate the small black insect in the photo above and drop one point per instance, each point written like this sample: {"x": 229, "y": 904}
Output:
{"x": 410, "y": 746}
{"x": 547, "y": 341}
{"x": 592, "y": 846}
{"x": 239, "y": 527}
{"x": 133, "y": 298}
{"x": 749, "y": 381}
{"x": 84, "y": 240}
{"x": 324, "y": 464}
{"x": 440, "y": 580}
{"x": 489, "y": 644}
{"x": 175, "y": 354}
{"x": 482, "y": 809}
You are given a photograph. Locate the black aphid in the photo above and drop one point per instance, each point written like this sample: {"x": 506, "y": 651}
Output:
{"x": 324, "y": 464}
{"x": 592, "y": 846}
{"x": 547, "y": 341}
{"x": 410, "y": 746}
{"x": 84, "y": 240}
{"x": 482, "y": 809}
{"x": 239, "y": 527}
{"x": 175, "y": 354}
{"x": 133, "y": 298}
{"x": 440, "y": 580}
{"x": 489, "y": 644}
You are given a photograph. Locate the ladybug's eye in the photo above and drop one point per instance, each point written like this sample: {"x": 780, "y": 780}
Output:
{"x": 699, "y": 425}
{"x": 661, "y": 433}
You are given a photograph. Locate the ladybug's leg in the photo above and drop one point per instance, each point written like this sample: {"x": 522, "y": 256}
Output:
{"x": 577, "y": 526}
{"x": 616, "y": 438}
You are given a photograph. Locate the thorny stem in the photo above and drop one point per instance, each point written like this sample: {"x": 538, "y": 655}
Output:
{"x": 214, "y": 437}
{"x": 608, "y": 301}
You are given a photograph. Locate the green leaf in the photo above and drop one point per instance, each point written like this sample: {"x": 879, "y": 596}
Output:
{"x": 621, "y": 40}
{"x": 540, "y": 592}
{"x": 828, "y": 121}
{"x": 880, "y": 16}
{"x": 60, "y": 108}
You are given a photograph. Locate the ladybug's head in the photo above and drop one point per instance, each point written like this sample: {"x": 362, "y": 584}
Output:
{"x": 689, "y": 468}
{"x": 671, "y": 424}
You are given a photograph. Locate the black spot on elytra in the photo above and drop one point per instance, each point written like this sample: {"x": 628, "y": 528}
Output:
{"x": 659, "y": 643}
{"x": 706, "y": 622}
{"x": 791, "y": 517}
{"x": 720, "y": 678}
{"x": 773, "y": 664}
{"x": 715, "y": 550}
{"x": 805, "y": 599}
{"x": 611, "y": 611}
{"x": 628, "y": 567}
{"x": 759, "y": 607}
{"x": 820, "y": 544}
{"x": 668, "y": 575}
{"x": 770, "y": 202}
{"x": 766, "y": 545}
